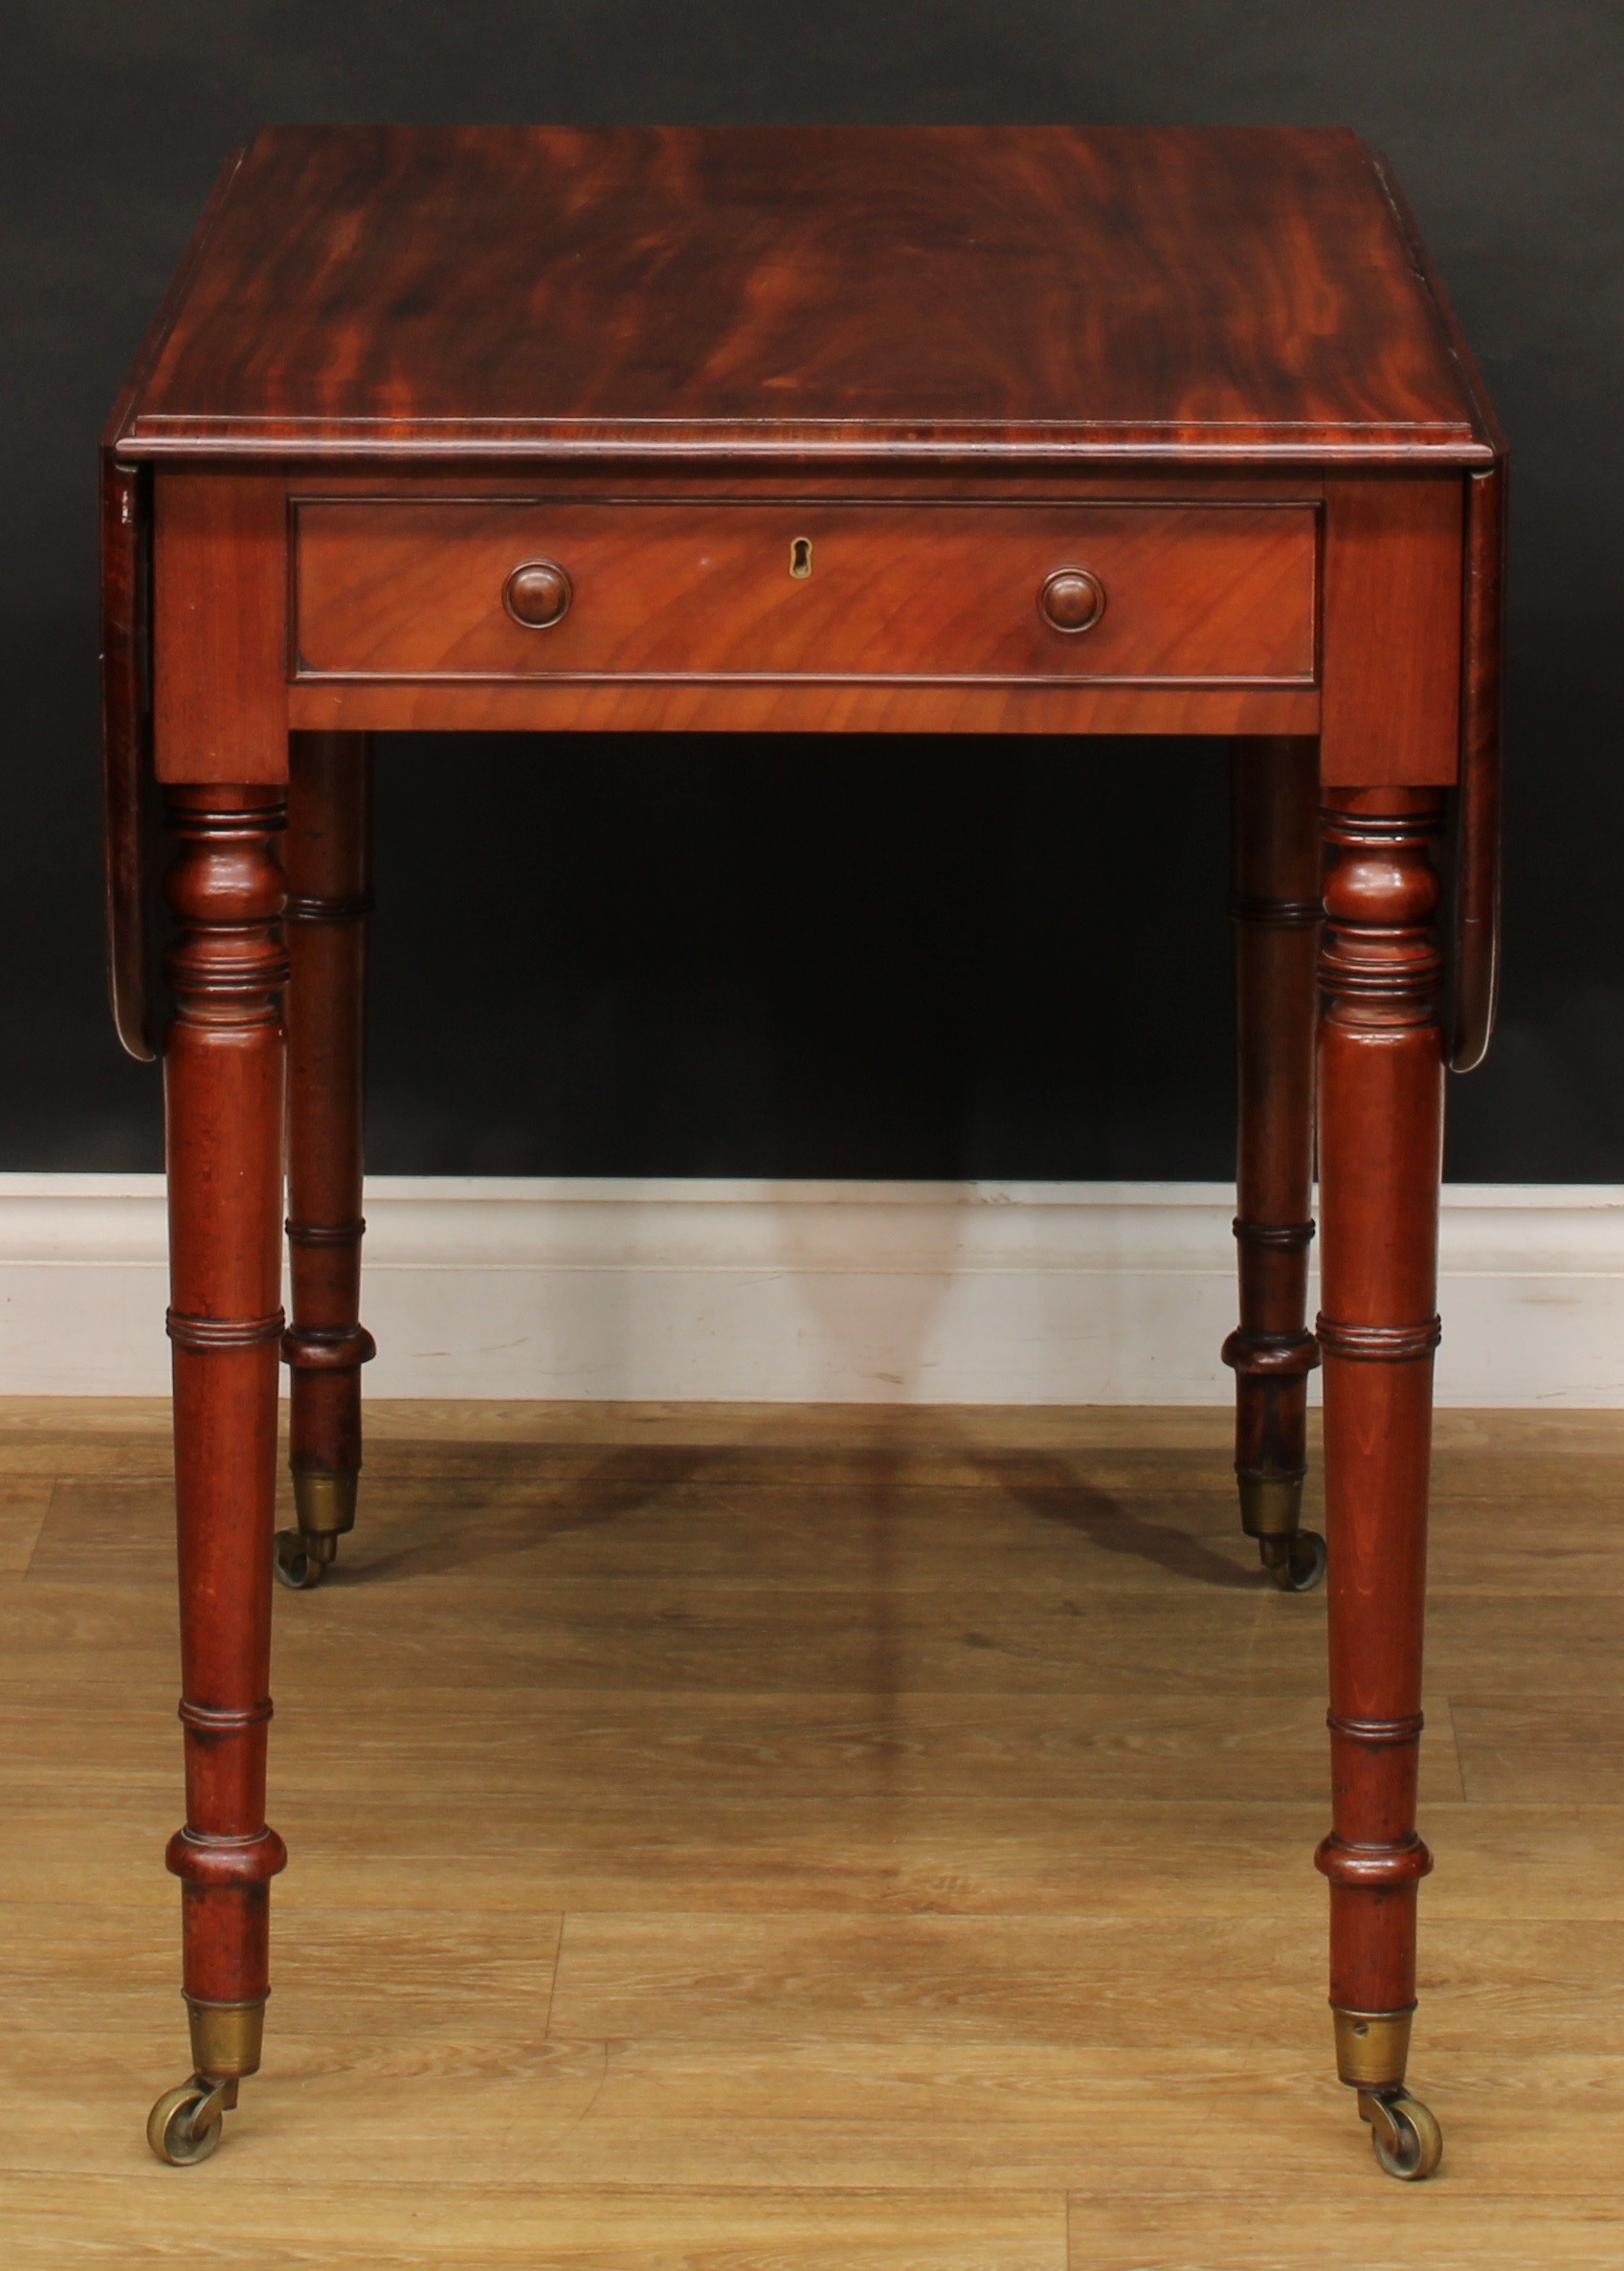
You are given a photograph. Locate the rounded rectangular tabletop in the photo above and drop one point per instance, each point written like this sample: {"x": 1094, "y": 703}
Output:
{"x": 1107, "y": 294}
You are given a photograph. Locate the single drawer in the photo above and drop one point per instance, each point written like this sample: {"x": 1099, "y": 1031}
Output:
{"x": 1197, "y": 594}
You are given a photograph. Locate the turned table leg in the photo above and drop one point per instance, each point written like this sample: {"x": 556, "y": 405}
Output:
{"x": 1275, "y": 786}
{"x": 328, "y": 859}
{"x": 223, "y": 1072}
{"x": 1380, "y": 1126}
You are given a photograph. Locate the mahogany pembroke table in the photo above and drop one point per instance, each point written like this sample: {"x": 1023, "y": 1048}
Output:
{"x": 947, "y": 429}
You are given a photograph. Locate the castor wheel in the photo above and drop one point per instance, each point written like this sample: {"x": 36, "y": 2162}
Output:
{"x": 1304, "y": 1567}
{"x": 185, "y": 2125}
{"x": 1404, "y": 2136}
{"x": 296, "y": 1567}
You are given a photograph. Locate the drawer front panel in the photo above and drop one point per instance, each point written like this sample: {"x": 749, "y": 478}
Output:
{"x": 1187, "y": 594}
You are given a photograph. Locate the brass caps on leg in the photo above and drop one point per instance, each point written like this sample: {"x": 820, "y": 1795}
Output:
{"x": 326, "y": 1504}
{"x": 1271, "y": 1505}
{"x": 226, "y": 2038}
{"x": 1372, "y": 2047}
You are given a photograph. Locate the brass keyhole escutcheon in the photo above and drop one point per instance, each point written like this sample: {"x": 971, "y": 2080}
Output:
{"x": 1072, "y": 599}
{"x": 800, "y": 558}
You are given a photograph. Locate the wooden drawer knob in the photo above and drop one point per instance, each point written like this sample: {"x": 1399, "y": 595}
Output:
{"x": 1072, "y": 600}
{"x": 537, "y": 595}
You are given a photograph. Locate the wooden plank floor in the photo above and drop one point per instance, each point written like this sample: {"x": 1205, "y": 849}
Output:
{"x": 817, "y": 1839}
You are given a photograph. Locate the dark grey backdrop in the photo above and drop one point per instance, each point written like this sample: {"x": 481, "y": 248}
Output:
{"x": 784, "y": 957}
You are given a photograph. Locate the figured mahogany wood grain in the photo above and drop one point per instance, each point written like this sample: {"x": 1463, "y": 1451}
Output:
{"x": 219, "y": 628}
{"x": 502, "y": 290}
{"x": 223, "y": 1097}
{"x": 1476, "y": 969}
{"x": 1392, "y": 632}
{"x": 959, "y": 332}
{"x": 891, "y": 591}
{"x": 1276, "y": 902}
{"x": 130, "y": 819}
{"x": 787, "y": 706}
{"x": 328, "y": 865}
{"x": 1381, "y": 1154}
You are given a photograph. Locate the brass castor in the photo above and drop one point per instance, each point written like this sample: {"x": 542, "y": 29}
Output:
{"x": 1404, "y": 2136}
{"x": 298, "y": 1563}
{"x": 1303, "y": 1565}
{"x": 185, "y": 2126}
{"x": 1270, "y": 1509}
{"x": 327, "y": 1510}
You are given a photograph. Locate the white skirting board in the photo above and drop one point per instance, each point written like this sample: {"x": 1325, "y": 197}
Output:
{"x": 1046, "y": 1292}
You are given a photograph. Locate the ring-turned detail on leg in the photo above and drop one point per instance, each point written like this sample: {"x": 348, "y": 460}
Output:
{"x": 222, "y": 1082}
{"x": 1381, "y": 1127}
{"x": 328, "y": 863}
{"x": 1274, "y": 824}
